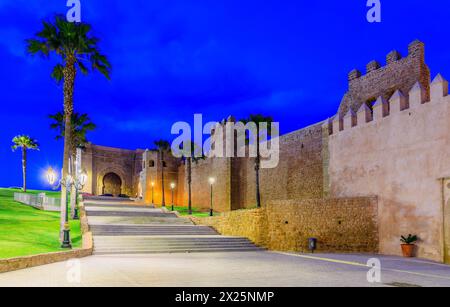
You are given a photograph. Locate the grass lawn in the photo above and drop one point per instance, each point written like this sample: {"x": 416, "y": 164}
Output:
{"x": 27, "y": 231}
{"x": 184, "y": 211}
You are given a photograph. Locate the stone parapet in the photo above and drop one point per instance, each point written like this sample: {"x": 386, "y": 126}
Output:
{"x": 340, "y": 225}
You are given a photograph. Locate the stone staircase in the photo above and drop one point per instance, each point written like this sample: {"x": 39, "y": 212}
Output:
{"x": 128, "y": 228}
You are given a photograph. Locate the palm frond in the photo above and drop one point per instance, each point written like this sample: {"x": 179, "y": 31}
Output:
{"x": 81, "y": 124}
{"x": 24, "y": 141}
{"x": 58, "y": 73}
{"x": 82, "y": 68}
{"x": 69, "y": 41}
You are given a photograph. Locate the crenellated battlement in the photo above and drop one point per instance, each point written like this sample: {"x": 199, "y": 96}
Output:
{"x": 399, "y": 73}
{"x": 397, "y": 103}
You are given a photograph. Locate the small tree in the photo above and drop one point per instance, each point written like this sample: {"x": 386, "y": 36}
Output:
{"x": 24, "y": 142}
{"x": 258, "y": 119}
{"x": 162, "y": 147}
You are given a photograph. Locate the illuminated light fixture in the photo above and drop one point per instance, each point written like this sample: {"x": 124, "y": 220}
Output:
{"x": 172, "y": 187}
{"x": 51, "y": 176}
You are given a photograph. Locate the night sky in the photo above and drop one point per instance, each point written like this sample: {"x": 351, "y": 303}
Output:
{"x": 171, "y": 59}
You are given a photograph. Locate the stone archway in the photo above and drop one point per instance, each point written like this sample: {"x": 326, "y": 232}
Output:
{"x": 112, "y": 184}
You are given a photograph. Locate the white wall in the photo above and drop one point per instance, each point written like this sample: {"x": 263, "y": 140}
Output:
{"x": 399, "y": 158}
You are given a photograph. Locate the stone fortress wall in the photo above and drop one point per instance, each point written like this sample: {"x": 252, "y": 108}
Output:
{"x": 390, "y": 139}
{"x": 396, "y": 149}
{"x": 399, "y": 151}
{"x": 341, "y": 225}
{"x": 99, "y": 161}
{"x": 299, "y": 175}
{"x": 398, "y": 74}
{"x": 153, "y": 164}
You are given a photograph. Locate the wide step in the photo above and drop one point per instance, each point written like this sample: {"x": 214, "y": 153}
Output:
{"x": 117, "y": 230}
{"x": 117, "y": 206}
{"x": 131, "y": 228}
{"x": 131, "y": 214}
{"x": 166, "y": 251}
{"x": 151, "y": 245}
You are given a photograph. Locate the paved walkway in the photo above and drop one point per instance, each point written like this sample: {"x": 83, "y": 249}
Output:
{"x": 243, "y": 269}
{"x": 145, "y": 231}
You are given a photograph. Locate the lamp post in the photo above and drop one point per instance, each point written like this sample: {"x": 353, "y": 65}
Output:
{"x": 153, "y": 189}
{"x": 211, "y": 183}
{"x": 172, "y": 187}
{"x": 79, "y": 183}
{"x": 66, "y": 182}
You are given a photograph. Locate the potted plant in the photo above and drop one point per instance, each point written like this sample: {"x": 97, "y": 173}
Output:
{"x": 408, "y": 245}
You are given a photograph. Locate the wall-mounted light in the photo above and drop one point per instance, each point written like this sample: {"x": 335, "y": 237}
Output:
{"x": 312, "y": 244}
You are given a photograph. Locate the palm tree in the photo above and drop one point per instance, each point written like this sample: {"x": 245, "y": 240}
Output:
{"x": 77, "y": 48}
{"x": 258, "y": 119}
{"x": 81, "y": 124}
{"x": 162, "y": 146}
{"x": 24, "y": 142}
{"x": 190, "y": 153}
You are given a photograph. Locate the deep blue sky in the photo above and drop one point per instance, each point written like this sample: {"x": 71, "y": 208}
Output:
{"x": 288, "y": 59}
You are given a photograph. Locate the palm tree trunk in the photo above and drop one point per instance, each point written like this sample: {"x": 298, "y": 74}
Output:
{"x": 24, "y": 168}
{"x": 73, "y": 193}
{"x": 189, "y": 174}
{"x": 162, "y": 180}
{"x": 258, "y": 192}
{"x": 257, "y": 167}
{"x": 69, "y": 83}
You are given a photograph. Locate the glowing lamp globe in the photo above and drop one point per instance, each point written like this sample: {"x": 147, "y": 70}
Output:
{"x": 51, "y": 176}
{"x": 83, "y": 178}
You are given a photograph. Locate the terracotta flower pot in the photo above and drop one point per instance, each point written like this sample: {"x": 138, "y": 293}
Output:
{"x": 408, "y": 250}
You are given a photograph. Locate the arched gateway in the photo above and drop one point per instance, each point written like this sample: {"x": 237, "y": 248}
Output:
{"x": 111, "y": 170}
{"x": 112, "y": 184}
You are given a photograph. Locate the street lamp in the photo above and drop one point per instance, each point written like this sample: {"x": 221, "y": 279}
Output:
{"x": 153, "y": 188}
{"x": 51, "y": 176}
{"x": 172, "y": 187}
{"x": 79, "y": 183}
{"x": 211, "y": 183}
{"x": 67, "y": 182}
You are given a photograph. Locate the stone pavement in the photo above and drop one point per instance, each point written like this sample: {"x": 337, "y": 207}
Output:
{"x": 241, "y": 269}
